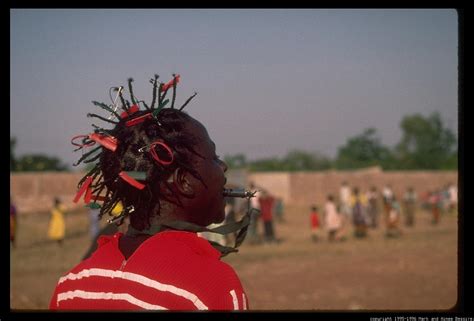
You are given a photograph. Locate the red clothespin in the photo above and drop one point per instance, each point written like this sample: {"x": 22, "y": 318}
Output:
{"x": 131, "y": 180}
{"x": 138, "y": 120}
{"x": 108, "y": 142}
{"x": 132, "y": 110}
{"x": 83, "y": 188}
{"x": 88, "y": 196}
{"x": 170, "y": 83}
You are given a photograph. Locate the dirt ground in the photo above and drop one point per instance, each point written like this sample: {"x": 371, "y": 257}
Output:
{"x": 417, "y": 271}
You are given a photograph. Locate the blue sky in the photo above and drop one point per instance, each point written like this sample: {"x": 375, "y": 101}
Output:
{"x": 268, "y": 81}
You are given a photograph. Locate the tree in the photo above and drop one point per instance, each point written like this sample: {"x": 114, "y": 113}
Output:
{"x": 33, "y": 162}
{"x": 39, "y": 162}
{"x": 363, "y": 150}
{"x": 426, "y": 143}
{"x": 298, "y": 160}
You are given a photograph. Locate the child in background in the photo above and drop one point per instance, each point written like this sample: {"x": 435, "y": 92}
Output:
{"x": 332, "y": 219}
{"x": 57, "y": 226}
{"x": 393, "y": 229}
{"x": 314, "y": 218}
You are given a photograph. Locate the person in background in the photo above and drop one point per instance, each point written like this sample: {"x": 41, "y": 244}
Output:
{"x": 387, "y": 196}
{"x": 13, "y": 223}
{"x": 332, "y": 219}
{"x": 453, "y": 198}
{"x": 267, "y": 203}
{"x": 345, "y": 200}
{"x": 94, "y": 228}
{"x": 409, "y": 201}
{"x": 435, "y": 204}
{"x": 393, "y": 229}
{"x": 359, "y": 214}
{"x": 279, "y": 210}
{"x": 373, "y": 207}
{"x": 57, "y": 225}
{"x": 314, "y": 223}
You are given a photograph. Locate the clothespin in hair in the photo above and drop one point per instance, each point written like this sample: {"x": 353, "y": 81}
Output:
{"x": 126, "y": 211}
{"x": 171, "y": 82}
{"x": 106, "y": 141}
{"x": 133, "y": 109}
{"x": 138, "y": 120}
{"x": 130, "y": 180}
{"x": 84, "y": 187}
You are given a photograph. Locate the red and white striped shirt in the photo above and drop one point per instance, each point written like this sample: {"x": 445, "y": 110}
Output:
{"x": 171, "y": 270}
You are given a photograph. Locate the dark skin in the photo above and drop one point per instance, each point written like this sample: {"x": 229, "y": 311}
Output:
{"x": 201, "y": 204}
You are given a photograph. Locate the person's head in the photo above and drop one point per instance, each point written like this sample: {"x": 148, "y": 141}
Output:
{"x": 373, "y": 189}
{"x": 57, "y": 201}
{"x": 330, "y": 198}
{"x": 355, "y": 191}
{"x": 314, "y": 208}
{"x": 165, "y": 167}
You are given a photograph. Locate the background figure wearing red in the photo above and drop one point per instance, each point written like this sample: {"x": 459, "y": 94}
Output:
{"x": 13, "y": 223}
{"x": 267, "y": 203}
{"x": 314, "y": 219}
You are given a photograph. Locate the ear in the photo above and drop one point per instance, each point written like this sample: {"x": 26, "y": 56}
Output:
{"x": 183, "y": 182}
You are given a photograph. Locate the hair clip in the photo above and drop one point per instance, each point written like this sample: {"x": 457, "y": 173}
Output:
{"x": 130, "y": 180}
{"x": 83, "y": 188}
{"x": 170, "y": 83}
{"x": 129, "y": 112}
{"x": 151, "y": 149}
{"x": 126, "y": 211}
{"x": 107, "y": 141}
{"x": 114, "y": 102}
{"x": 138, "y": 120}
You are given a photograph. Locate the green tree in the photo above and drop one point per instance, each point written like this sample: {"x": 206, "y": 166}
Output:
{"x": 265, "y": 165}
{"x": 426, "y": 143}
{"x": 39, "y": 162}
{"x": 298, "y": 160}
{"x": 364, "y": 150}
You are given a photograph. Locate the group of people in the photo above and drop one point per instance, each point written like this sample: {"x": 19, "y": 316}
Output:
{"x": 369, "y": 209}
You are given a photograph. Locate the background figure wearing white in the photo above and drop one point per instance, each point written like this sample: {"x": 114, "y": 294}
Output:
{"x": 453, "y": 198}
{"x": 387, "y": 195}
{"x": 94, "y": 227}
{"x": 332, "y": 219}
{"x": 345, "y": 200}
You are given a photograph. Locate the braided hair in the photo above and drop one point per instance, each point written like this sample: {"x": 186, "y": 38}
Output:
{"x": 131, "y": 167}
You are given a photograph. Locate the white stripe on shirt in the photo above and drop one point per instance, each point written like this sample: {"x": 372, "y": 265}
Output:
{"x": 244, "y": 301}
{"x": 108, "y": 296}
{"x": 234, "y": 299}
{"x": 138, "y": 279}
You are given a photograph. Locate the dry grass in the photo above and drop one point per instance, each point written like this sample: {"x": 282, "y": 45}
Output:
{"x": 415, "y": 272}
